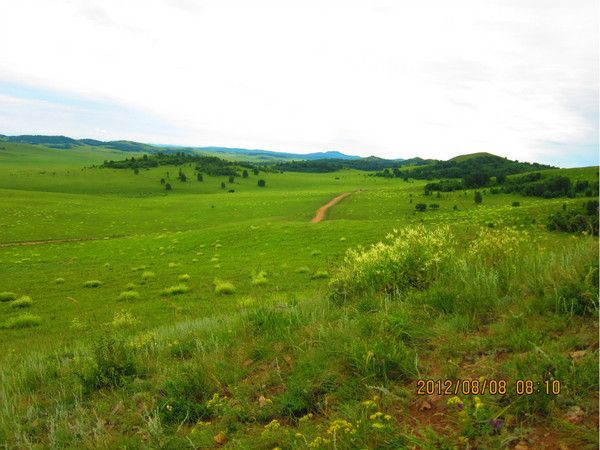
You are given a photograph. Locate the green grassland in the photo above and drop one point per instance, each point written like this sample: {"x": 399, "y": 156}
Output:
{"x": 133, "y": 317}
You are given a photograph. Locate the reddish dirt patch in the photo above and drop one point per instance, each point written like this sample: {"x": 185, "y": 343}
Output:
{"x": 320, "y": 214}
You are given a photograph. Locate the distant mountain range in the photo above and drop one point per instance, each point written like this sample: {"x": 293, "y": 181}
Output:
{"x": 64, "y": 142}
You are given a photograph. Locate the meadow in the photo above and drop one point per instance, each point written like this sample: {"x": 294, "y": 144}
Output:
{"x": 135, "y": 317}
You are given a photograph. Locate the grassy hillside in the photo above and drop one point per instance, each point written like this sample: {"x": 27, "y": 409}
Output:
{"x": 202, "y": 318}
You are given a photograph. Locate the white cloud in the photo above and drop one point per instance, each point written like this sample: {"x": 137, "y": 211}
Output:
{"x": 397, "y": 79}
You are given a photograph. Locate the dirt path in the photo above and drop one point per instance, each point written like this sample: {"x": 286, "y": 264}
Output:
{"x": 56, "y": 241}
{"x": 320, "y": 214}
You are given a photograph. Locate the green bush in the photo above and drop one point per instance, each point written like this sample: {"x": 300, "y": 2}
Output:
{"x": 410, "y": 259}
{"x": 129, "y": 295}
{"x": 92, "y": 283}
{"x": 259, "y": 279}
{"x": 111, "y": 365}
{"x": 183, "y": 398}
{"x": 22, "y": 302}
{"x": 25, "y": 320}
{"x": 224, "y": 287}
{"x": 175, "y": 290}
{"x": 7, "y": 296}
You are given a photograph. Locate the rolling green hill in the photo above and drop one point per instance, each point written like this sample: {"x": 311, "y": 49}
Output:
{"x": 136, "y": 317}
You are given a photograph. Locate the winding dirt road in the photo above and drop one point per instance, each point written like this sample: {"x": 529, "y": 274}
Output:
{"x": 320, "y": 214}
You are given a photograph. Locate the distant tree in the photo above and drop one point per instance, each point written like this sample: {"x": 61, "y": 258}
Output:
{"x": 476, "y": 180}
{"x": 245, "y": 174}
{"x": 200, "y": 177}
{"x": 516, "y": 204}
{"x": 231, "y": 178}
{"x": 231, "y": 190}
{"x": 455, "y": 208}
{"x": 162, "y": 181}
{"x": 168, "y": 186}
{"x": 145, "y": 157}
{"x": 434, "y": 206}
{"x": 421, "y": 207}
{"x": 136, "y": 171}
{"x": 182, "y": 176}
{"x": 222, "y": 185}
{"x": 261, "y": 183}
{"x": 501, "y": 178}
{"x": 478, "y": 198}
{"x": 255, "y": 171}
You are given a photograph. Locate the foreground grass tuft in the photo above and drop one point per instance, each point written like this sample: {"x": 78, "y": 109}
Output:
{"x": 7, "y": 296}
{"x": 224, "y": 287}
{"x": 129, "y": 295}
{"x": 25, "y": 320}
{"x": 22, "y": 302}
{"x": 175, "y": 290}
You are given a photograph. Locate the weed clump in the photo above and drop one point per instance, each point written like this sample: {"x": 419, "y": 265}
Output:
{"x": 175, "y": 290}
{"x": 147, "y": 275}
{"x": 224, "y": 287}
{"x": 259, "y": 279}
{"x": 25, "y": 320}
{"x": 320, "y": 274}
{"x": 123, "y": 319}
{"x": 22, "y": 302}
{"x": 59, "y": 280}
{"x": 184, "y": 277}
{"x": 92, "y": 283}
{"x": 7, "y": 296}
{"x": 110, "y": 365}
{"x": 129, "y": 295}
{"x": 410, "y": 259}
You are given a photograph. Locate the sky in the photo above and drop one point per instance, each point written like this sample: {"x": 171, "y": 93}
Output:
{"x": 392, "y": 78}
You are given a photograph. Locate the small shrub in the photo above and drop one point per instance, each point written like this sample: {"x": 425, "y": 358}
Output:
{"x": 59, "y": 280}
{"x": 184, "y": 277}
{"x": 477, "y": 197}
{"x": 123, "y": 319}
{"x": 260, "y": 278}
{"x": 262, "y": 183}
{"x": 92, "y": 283}
{"x": 175, "y": 290}
{"x": 22, "y": 302}
{"x": 515, "y": 204}
{"x": 25, "y": 320}
{"x": 129, "y": 295}
{"x": 111, "y": 365}
{"x": 224, "y": 287}
{"x": 168, "y": 187}
{"x": 146, "y": 275}
{"x": 7, "y": 296}
{"x": 173, "y": 264}
{"x": 411, "y": 259}
{"x": 421, "y": 207}
{"x": 130, "y": 286}
{"x": 303, "y": 269}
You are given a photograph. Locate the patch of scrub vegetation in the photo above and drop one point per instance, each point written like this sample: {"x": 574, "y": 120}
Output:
{"x": 24, "y": 301}
{"x": 92, "y": 283}
{"x": 7, "y": 296}
{"x": 147, "y": 275}
{"x": 259, "y": 278}
{"x": 59, "y": 280}
{"x": 129, "y": 295}
{"x": 320, "y": 274}
{"x": 25, "y": 320}
{"x": 224, "y": 287}
{"x": 175, "y": 290}
{"x": 184, "y": 277}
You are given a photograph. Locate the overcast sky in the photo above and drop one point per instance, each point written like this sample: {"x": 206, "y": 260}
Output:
{"x": 435, "y": 79}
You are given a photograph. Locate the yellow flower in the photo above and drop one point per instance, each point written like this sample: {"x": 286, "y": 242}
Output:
{"x": 375, "y": 416}
{"x": 306, "y": 418}
{"x": 478, "y": 403}
{"x": 387, "y": 417}
{"x": 378, "y": 425}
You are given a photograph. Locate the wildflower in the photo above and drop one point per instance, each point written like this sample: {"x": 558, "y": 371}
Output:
{"x": 370, "y": 404}
{"x": 340, "y": 425}
{"x": 306, "y": 418}
{"x": 387, "y": 417}
{"x": 375, "y": 416}
{"x": 271, "y": 426}
{"x": 169, "y": 408}
{"x": 378, "y": 425}
{"x": 478, "y": 402}
{"x": 496, "y": 424}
